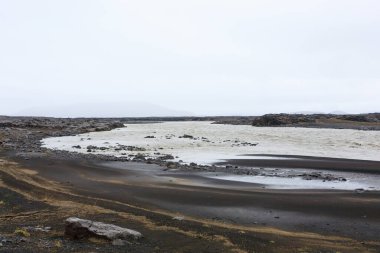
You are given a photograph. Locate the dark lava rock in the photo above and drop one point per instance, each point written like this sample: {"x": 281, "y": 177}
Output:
{"x": 186, "y": 136}
{"x": 320, "y": 176}
{"x": 165, "y": 157}
{"x": 139, "y": 157}
{"x": 171, "y": 165}
{"x": 128, "y": 148}
{"x": 281, "y": 119}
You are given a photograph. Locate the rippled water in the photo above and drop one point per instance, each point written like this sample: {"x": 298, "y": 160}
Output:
{"x": 211, "y": 143}
{"x": 215, "y": 142}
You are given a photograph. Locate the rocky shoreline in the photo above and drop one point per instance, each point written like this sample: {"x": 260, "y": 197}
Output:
{"x": 23, "y": 136}
{"x": 367, "y": 122}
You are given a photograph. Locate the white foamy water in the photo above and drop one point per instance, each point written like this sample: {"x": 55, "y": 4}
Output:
{"x": 214, "y": 142}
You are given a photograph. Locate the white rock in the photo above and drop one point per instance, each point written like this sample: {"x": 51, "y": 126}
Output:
{"x": 79, "y": 228}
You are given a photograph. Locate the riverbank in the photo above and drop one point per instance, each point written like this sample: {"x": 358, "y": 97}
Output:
{"x": 214, "y": 215}
{"x": 177, "y": 209}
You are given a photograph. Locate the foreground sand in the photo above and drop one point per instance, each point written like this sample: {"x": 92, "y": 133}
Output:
{"x": 218, "y": 216}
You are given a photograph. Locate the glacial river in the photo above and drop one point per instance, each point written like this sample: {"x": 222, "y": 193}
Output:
{"x": 206, "y": 143}
{"x": 209, "y": 143}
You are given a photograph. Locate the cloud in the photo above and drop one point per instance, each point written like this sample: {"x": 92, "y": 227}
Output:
{"x": 208, "y": 57}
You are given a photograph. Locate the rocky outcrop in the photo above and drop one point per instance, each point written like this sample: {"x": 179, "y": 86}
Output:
{"x": 282, "y": 119}
{"x": 370, "y": 121}
{"x": 78, "y": 228}
{"x": 353, "y": 121}
{"x": 24, "y": 133}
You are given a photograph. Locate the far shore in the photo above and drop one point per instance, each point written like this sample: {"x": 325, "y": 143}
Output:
{"x": 368, "y": 121}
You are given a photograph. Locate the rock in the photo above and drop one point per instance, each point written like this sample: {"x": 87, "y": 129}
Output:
{"x": 149, "y": 137}
{"x": 360, "y": 190}
{"x": 165, "y": 157}
{"x": 5, "y": 241}
{"x": 321, "y": 176}
{"x": 179, "y": 218}
{"x": 23, "y": 239}
{"x": 128, "y": 148}
{"x": 139, "y": 157}
{"x": 171, "y": 165}
{"x": 186, "y": 136}
{"x": 78, "y": 228}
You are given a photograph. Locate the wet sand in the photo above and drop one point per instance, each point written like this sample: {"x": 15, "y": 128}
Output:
{"x": 250, "y": 207}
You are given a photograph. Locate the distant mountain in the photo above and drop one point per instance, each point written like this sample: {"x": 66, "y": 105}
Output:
{"x": 308, "y": 112}
{"x": 339, "y": 113}
{"x": 110, "y": 110}
{"x": 316, "y": 112}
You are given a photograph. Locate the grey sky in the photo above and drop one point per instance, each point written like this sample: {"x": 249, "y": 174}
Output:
{"x": 199, "y": 56}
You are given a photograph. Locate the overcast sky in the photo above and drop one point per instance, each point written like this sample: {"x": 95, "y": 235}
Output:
{"x": 200, "y": 56}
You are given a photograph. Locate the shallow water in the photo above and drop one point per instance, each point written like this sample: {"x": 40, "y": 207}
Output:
{"x": 354, "y": 181}
{"x": 227, "y": 141}
{"x": 214, "y": 143}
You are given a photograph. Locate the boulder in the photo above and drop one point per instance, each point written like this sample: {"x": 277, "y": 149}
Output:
{"x": 78, "y": 228}
{"x": 186, "y": 136}
{"x": 360, "y": 190}
{"x": 165, "y": 157}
